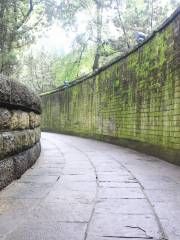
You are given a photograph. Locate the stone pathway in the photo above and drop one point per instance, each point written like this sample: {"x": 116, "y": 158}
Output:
{"x": 82, "y": 189}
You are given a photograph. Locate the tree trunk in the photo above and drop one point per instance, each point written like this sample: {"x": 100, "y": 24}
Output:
{"x": 122, "y": 25}
{"x": 152, "y": 15}
{"x": 99, "y": 9}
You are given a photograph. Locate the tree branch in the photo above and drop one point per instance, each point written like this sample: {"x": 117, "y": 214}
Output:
{"x": 26, "y": 16}
{"x": 122, "y": 25}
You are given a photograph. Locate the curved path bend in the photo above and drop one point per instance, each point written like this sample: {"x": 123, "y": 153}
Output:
{"x": 82, "y": 189}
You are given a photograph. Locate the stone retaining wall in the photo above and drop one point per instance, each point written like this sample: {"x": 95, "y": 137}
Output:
{"x": 20, "y": 111}
{"x": 133, "y": 101}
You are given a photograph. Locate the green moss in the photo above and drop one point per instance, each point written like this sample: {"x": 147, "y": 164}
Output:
{"x": 134, "y": 99}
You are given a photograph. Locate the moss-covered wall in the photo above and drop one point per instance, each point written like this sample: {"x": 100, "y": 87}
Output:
{"x": 134, "y": 101}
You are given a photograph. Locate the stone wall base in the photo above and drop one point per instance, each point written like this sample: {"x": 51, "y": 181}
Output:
{"x": 13, "y": 167}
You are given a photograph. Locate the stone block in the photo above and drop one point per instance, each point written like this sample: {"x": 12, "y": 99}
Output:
{"x": 24, "y": 120}
{"x": 5, "y": 118}
{"x": 6, "y": 172}
{"x": 37, "y": 134}
{"x": 5, "y": 89}
{"x": 1, "y": 147}
{"x": 19, "y": 120}
{"x": 13, "y": 167}
{"x": 18, "y": 141}
{"x": 34, "y": 153}
{"x": 32, "y": 137}
{"x": 16, "y": 94}
{"x": 25, "y": 139}
{"x": 22, "y": 96}
{"x": 34, "y": 120}
{"x": 25, "y": 160}
{"x": 9, "y": 144}
{"x": 21, "y": 163}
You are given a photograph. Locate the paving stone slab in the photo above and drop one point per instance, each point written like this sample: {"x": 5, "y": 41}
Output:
{"x": 124, "y": 206}
{"x": 13, "y": 212}
{"x": 63, "y": 211}
{"x": 124, "y": 226}
{"x": 90, "y": 190}
{"x": 118, "y": 193}
{"x": 26, "y": 191}
{"x": 37, "y": 230}
{"x": 112, "y": 184}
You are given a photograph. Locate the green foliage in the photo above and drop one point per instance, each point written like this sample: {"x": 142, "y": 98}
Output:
{"x": 13, "y": 14}
{"x": 124, "y": 16}
{"x": 68, "y": 69}
{"x": 107, "y": 30}
{"x": 19, "y": 22}
{"x": 35, "y": 70}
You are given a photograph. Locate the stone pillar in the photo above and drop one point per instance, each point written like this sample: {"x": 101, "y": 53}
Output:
{"x": 20, "y": 111}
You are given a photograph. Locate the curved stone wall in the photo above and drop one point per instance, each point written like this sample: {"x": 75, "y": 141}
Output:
{"x": 133, "y": 101}
{"x": 20, "y": 111}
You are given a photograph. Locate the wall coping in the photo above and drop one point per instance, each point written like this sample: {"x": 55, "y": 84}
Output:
{"x": 79, "y": 80}
{"x": 15, "y": 95}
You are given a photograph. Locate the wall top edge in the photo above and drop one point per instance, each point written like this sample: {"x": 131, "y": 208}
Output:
{"x": 15, "y": 95}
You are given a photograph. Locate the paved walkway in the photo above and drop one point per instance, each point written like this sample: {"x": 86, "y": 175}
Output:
{"x": 82, "y": 189}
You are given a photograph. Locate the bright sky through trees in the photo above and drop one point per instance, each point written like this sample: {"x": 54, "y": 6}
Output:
{"x": 58, "y": 40}
{"x": 46, "y": 42}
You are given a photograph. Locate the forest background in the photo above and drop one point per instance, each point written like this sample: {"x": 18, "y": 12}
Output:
{"x": 44, "y": 43}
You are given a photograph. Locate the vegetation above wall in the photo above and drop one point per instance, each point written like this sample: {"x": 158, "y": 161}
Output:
{"x": 87, "y": 35}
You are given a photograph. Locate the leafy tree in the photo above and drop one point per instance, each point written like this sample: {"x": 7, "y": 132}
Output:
{"x": 108, "y": 31}
{"x": 127, "y": 17}
{"x": 13, "y": 15}
{"x": 19, "y": 21}
{"x": 93, "y": 33}
{"x": 67, "y": 68}
{"x": 35, "y": 70}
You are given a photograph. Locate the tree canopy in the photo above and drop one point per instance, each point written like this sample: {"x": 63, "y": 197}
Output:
{"x": 101, "y": 30}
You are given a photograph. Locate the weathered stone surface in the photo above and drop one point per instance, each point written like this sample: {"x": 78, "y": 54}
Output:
{"x": 34, "y": 120}
{"x": 32, "y": 136}
{"x": 14, "y": 166}
{"x": 6, "y": 172}
{"x": 21, "y": 163}
{"x": 19, "y": 145}
{"x": 17, "y": 141}
{"x": 19, "y": 120}
{"x": 37, "y": 134}
{"x": 16, "y": 94}
{"x": 1, "y": 146}
{"x": 5, "y": 117}
{"x": 5, "y": 89}
{"x": 49, "y": 230}
{"x": 20, "y": 111}
{"x": 25, "y": 139}
{"x": 34, "y": 154}
{"x": 9, "y": 145}
{"x": 25, "y": 160}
